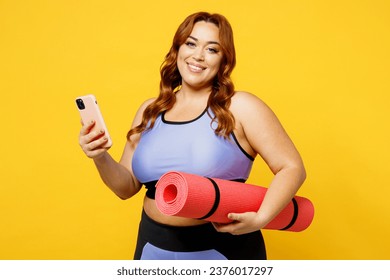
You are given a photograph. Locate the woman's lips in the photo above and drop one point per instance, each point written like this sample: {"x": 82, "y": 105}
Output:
{"x": 195, "y": 68}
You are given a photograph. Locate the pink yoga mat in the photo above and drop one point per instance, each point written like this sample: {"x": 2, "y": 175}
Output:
{"x": 192, "y": 196}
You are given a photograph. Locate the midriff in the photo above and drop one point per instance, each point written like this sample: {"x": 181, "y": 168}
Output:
{"x": 152, "y": 211}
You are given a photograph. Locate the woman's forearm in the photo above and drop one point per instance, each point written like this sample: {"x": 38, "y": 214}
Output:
{"x": 116, "y": 176}
{"x": 282, "y": 189}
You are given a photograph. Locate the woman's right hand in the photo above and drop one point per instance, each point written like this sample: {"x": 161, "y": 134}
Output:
{"x": 92, "y": 141}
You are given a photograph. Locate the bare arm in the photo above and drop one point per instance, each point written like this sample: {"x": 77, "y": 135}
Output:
{"x": 118, "y": 176}
{"x": 261, "y": 132}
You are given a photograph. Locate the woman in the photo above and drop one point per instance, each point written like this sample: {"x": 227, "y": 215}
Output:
{"x": 198, "y": 124}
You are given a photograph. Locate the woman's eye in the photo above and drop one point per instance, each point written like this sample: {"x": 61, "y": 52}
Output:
{"x": 212, "y": 50}
{"x": 190, "y": 44}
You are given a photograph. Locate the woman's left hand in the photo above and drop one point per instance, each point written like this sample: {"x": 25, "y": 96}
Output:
{"x": 242, "y": 223}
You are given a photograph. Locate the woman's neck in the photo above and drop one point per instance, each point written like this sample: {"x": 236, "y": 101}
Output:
{"x": 191, "y": 95}
{"x": 189, "y": 104}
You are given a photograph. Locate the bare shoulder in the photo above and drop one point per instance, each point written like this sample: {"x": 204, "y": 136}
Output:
{"x": 146, "y": 103}
{"x": 260, "y": 129}
{"x": 247, "y": 106}
{"x": 140, "y": 111}
{"x": 134, "y": 139}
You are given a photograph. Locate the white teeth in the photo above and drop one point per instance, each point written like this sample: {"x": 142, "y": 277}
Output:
{"x": 195, "y": 68}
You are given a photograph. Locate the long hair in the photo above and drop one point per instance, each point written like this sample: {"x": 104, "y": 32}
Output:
{"x": 222, "y": 88}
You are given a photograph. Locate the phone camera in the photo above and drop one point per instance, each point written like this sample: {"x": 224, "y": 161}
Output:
{"x": 80, "y": 104}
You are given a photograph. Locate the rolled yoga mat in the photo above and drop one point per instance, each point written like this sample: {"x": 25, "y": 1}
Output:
{"x": 192, "y": 196}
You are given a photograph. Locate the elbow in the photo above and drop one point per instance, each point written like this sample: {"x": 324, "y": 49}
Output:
{"x": 296, "y": 170}
{"x": 123, "y": 197}
{"x": 127, "y": 190}
{"x": 127, "y": 193}
{"x": 299, "y": 170}
{"x": 303, "y": 174}
{"x": 298, "y": 173}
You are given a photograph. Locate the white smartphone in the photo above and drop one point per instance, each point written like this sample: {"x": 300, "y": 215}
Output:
{"x": 89, "y": 110}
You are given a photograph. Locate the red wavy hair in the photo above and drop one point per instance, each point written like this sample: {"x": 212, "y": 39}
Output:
{"x": 222, "y": 88}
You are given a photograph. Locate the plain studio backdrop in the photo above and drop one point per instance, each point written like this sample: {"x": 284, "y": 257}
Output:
{"x": 322, "y": 66}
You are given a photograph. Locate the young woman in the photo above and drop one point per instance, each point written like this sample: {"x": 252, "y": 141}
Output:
{"x": 199, "y": 124}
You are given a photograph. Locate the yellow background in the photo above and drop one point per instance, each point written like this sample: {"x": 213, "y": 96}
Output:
{"x": 322, "y": 66}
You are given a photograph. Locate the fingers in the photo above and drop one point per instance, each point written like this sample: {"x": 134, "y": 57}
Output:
{"x": 233, "y": 227}
{"x": 235, "y": 217}
{"x": 230, "y": 228}
{"x": 86, "y": 127}
{"x": 241, "y": 223}
{"x": 92, "y": 141}
{"x": 95, "y": 144}
{"x": 95, "y": 149}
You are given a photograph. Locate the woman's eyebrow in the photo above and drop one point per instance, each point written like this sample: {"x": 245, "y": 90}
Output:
{"x": 208, "y": 42}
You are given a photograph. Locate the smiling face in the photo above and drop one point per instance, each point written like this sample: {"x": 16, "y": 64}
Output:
{"x": 199, "y": 58}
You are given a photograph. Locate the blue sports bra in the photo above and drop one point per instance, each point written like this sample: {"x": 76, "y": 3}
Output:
{"x": 191, "y": 147}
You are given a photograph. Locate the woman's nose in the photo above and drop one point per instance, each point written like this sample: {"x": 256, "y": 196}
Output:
{"x": 198, "y": 55}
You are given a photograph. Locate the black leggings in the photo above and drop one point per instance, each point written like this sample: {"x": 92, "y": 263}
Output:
{"x": 159, "y": 241}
